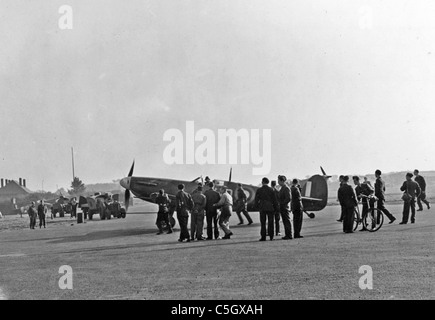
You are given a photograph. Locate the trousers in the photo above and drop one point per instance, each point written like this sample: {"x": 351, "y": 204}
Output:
{"x": 269, "y": 217}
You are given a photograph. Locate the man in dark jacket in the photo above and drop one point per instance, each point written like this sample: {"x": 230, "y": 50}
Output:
{"x": 380, "y": 194}
{"x": 296, "y": 207}
{"x": 348, "y": 201}
{"x": 277, "y": 214}
{"x": 362, "y": 191}
{"x": 422, "y": 197}
{"x": 162, "y": 200}
{"x": 284, "y": 199}
{"x": 212, "y": 197}
{"x": 265, "y": 200}
{"x": 412, "y": 189}
{"x": 42, "y": 209}
{"x": 241, "y": 205}
{"x": 32, "y": 215}
{"x": 183, "y": 204}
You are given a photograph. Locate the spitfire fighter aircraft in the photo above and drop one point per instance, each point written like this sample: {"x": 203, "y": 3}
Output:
{"x": 314, "y": 189}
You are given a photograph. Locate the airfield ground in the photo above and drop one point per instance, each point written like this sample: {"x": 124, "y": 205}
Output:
{"x": 125, "y": 259}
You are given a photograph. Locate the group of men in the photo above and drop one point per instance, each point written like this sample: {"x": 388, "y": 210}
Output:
{"x": 367, "y": 195}
{"x": 39, "y": 211}
{"x": 273, "y": 203}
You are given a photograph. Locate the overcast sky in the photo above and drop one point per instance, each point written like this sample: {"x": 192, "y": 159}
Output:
{"x": 349, "y": 85}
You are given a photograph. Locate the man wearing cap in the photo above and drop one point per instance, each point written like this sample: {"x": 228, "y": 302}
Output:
{"x": 284, "y": 199}
{"x": 162, "y": 200}
{"x": 197, "y": 216}
{"x": 380, "y": 194}
{"x": 32, "y": 215}
{"x": 362, "y": 191}
{"x": 212, "y": 197}
{"x": 42, "y": 209}
{"x": 412, "y": 189}
{"x": 265, "y": 200}
{"x": 183, "y": 203}
{"x": 296, "y": 207}
{"x": 226, "y": 205}
{"x": 348, "y": 201}
{"x": 340, "y": 180}
{"x": 277, "y": 216}
{"x": 241, "y": 205}
{"x": 422, "y": 197}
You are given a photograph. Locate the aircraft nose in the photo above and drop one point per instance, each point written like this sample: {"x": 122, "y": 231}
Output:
{"x": 125, "y": 183}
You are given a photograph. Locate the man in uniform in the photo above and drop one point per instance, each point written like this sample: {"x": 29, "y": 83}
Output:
{"x": 42, "y": 209}
{"x": 340, "y": 180}
{"x": 284, "y": 199}
{"x": 183, "y": 203}
{"x": 162, "y": 200}
{"x": 277, "y": 214}
{"x": 32, "y": 215}
{"x": 380, "y": 194}
{"x": 226, "y": 205}
{"x": 412, "y": 189}
{"x": 197, "y": 216}
{"x": 296, "y": 207}
{"x": 265, "y": 200}
{"x": 241, "y": 205}
{"x": 422, "y": 197}
{"x": 212, "y": 197}
{"x": 348, "y": 201}
{"x": 362, "y": 191}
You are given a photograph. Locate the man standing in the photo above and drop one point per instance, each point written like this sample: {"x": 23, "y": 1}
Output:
{"x": 197, "y": 216}
{"x": 362, "y": 191}
{"x": 422, "y": 197}
{"x": 42, "y": 209}
{"x": 212, "y": 197}
{"x": 348, "y": 201}
{"x": 277, "y": 215}
{"x": 226, "y": 205}
{"x": 241, "y": 205}
{"x": 340, "y": 180}
{"x": 411, "y": 191}
{"x": 183, "y": 203}
{"x": 380, "y": 194}
{"x": 32, "y": 215}
{"x": 284, "y": 199}
{"x": 162, "y": 200}
{"x": 265, "y": 200}
{"x": 296, "y": 207}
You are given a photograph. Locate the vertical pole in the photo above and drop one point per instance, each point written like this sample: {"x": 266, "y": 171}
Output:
{"x": 72, "y": 157}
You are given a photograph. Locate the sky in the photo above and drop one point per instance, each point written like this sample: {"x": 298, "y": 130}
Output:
{"x": 347, "y": 85}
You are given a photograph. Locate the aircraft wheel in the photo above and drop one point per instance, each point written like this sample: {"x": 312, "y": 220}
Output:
{"x": 90, "y": 216}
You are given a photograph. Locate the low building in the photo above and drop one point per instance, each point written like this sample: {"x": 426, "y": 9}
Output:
{"x": 13, "y": 190}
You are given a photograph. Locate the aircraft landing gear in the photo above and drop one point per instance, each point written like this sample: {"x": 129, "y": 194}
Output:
{"x": 310, "y": 215}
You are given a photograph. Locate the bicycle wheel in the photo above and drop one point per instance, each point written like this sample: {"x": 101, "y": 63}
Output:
{"x": 355, "y": 219}
{"x": 374, "y": 220}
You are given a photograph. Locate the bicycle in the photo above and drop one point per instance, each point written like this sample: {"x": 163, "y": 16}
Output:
{"x": 373, "y": 220}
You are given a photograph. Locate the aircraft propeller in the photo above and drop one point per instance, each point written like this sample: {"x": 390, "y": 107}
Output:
{"x": 127, "y": 192}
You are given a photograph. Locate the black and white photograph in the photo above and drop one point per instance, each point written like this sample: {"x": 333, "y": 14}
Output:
{"x": 217, "y": 154}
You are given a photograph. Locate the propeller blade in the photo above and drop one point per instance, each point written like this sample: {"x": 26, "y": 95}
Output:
{"x": 131, "y": 170}
{"x": 231, "y": 171}
{"x": 127, "y": 199}
{"x": 323, "y": 171}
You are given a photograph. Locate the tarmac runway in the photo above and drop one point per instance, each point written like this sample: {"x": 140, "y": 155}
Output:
{"x": 125, "y": 259}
